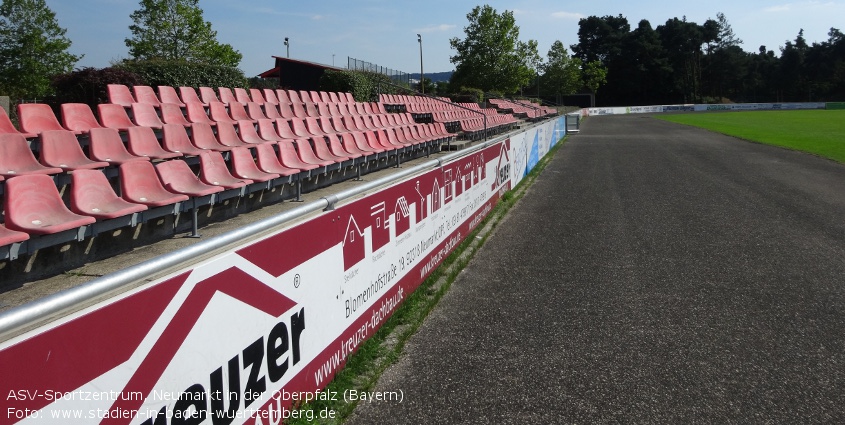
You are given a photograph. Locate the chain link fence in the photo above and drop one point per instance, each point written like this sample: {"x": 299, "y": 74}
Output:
{"x": 398, "y": 77}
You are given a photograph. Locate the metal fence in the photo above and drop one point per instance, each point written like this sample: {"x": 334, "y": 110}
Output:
{"x": 398, "y": 77}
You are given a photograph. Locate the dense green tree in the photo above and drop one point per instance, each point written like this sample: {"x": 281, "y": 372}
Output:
{"x": 561, "y": 73}
{"x": 491, "y": 57}
{"x": 176, "y": 30}
{"x": 595, "y": 75}
{"x": 33, "y": 48}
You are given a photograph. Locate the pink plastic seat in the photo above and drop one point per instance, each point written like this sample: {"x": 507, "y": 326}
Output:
{"x": 171, "y": 113}
{"x": 267, "y": 131}
{"x": 322, "y": 151}
{"x": 119, "y": 94}
{"x": 227, "y": 96}
{"x": 16, "y": 158}
{"x": 92, "y": 195}
{"x": 60, "y": 148}
{"x": 257, "y": 96}
{"x": 33, "y": 205}
{"x": 364, "y": 144}
{"x": 238, "y": 112}
{"x": 196, "y": 114}
{"x": 271, "y": 111}
{"x": 8, "y": 237}
{"x": 283, "y": 96}
{"x": 306, "y": 153}
{"x": 268, "y": 161}
{"x": 189, "y": 96}
{"x": 213, "y": 171}
{"x": 106, "y": 145}
{"x": 178, "y": 177}
{"x": 202, "y": 136}
{"x": 143, "y": 142}
{"x": 114, "y": 116}
{"x": 6, "y": 126}
{"x": 270, "y": 97}
{"x": 140, "y": 184}
{"x": 285, "y": 111}
{"x": 244, "y": 167}
{"x": 146, "y": 94}
{"x": 289, "y": 158}
{"x": 246, "y": 129}
{"x": 167, "y": 94}
{"x": 255, "y": 112}
{"x": 37, "y": 118}
{"x": 145, "y": 115}
{"x": 228, "y": 136}
{"x": 175, "y": 139}
{"x": 284, "y": 129}
{"x": 78, "y": 117}
{"x": 208, "y": 95}
{"x": 218, "y": 113}
{"x": 337, "y": 149}
{"x": 242, "y": 96}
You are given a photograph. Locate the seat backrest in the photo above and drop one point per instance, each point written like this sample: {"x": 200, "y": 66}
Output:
{"x": 171, "y": 113}
{"x": 257, "y": 96}
{"x": 242, "y": 96}
{"x": 283, "y": 96}
{"x": 6, "y": 125}
{"x": 78, "y": 117}
{"x": 16, "y": 157}
{"x": 143, "y": 142}
{"x": 238, "y": 112}
{"x": 32, "y": 200}
{"x": 174, "y": 138}
{"x": 202, "y": 136}
{"x": 119, "y": 94}
{"x": 208, "y": 95}
{"x": 189, "y": 95}
{"x": 139, "y": 183}
{"x": 146, "y": 94}
{"x": 255, "y": 112}
{"x": 218, "y": 112}
{"x": 105, "y": 144}
{"x": 167, "y": 94}
{"x": 145, "y": 115}
{"x": 60, "y": 148}
{"x": 37, "y": 117}
{"x": 92, "y": 194}
{"x": 270, "y": 97}
{"x": 226, "y": 95}
{"x": 114, "y": 116}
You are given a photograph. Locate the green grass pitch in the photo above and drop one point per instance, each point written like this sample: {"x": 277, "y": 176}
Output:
{"x": 820, "y": 132}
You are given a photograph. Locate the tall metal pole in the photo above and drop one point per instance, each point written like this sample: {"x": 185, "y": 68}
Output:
{"x": 422, "y": 76}
{"x": 287, "y": 46}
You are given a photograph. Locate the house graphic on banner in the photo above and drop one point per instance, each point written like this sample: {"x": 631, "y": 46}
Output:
{"x": 401, "y": 216}
{"x": 503, "y": 168}
{"x": 448, "y": 191}
{"x": 353, "y": 244}
{"x": 422, "y": 206}
{"x": 380, "y": 229}
{"x": 435, "y": 196}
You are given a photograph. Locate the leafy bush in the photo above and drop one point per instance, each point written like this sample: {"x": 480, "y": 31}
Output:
{"x": 365, "y": 86}
{"x": 182, "y": 73}
{"x": 469, "y": 95}
{"x": 88, "y": 85}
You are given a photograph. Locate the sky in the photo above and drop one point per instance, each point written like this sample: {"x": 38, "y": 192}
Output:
{"x": 385, "y": 32}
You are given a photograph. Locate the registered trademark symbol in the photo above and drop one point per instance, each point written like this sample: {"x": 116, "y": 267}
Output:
{"x": 296, "y": 281}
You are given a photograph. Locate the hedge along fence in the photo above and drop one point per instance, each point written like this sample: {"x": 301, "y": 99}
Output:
{"x": 88, "y": 85}
{"x": 365, "y": 86}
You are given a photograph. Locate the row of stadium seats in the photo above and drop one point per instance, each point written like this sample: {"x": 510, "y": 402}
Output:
{"x": 122, "y": 95}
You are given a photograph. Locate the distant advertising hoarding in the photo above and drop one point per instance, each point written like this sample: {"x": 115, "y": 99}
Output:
{"x": 243, "y": 336}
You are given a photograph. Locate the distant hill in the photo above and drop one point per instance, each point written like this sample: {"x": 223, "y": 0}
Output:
{"x": 435, "y": 77}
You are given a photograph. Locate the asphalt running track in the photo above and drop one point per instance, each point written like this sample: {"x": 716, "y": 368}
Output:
{"x": 654, "y": 273}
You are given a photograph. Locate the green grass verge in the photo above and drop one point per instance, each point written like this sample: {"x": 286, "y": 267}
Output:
{"x": 819, "y": 132}
{"x": 365, "y": 366}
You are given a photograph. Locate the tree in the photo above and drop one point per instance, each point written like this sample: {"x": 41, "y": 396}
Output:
{"x": 595, "y": 75}
{"x": 491, "y": 57}
{"x": 561, "y": 72}
{"x": 176, "y": 30}
{"x": 33, "y": 48}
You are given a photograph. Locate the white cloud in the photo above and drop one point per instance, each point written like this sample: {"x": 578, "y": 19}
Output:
{"x": 568, "y": 15}
{"x": 316, "y": 17}
{"x": 798, "y": 6}
{"x": 436, "y": 28}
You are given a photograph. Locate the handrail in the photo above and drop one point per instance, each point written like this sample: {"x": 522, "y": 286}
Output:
{"x": 439, "y": 100}
{"x": 28, "y": 316}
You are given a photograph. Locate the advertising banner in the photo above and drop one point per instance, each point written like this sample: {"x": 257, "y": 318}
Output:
{"x": 245, "y": 335}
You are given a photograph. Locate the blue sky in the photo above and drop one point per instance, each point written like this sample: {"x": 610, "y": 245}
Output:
{"x": 384, "y": 32}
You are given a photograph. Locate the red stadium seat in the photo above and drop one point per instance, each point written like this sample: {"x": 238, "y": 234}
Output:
{"x": 114, "y": 116}
{"x": 306, "y": 153}
{"x": 246, "y": 129}
{"x": 119, "y": 94}
{"x": 289, "y": 158}
{"x": 167, "y": 94}
{"x": 16, "y": 158}
{"x": 213, "y": 171}
{"x": 6, "y": 126}
{"x": 143, "y": 142}
{"x": 218, "y": 112}
{"x": 242, "y": 96}
{"x": 171, "y": 113}
{"x": 146, "y": 94}
{"x": 202, "y": 136}
{"x": 106, "y": 145}
{"x": 337, "y": 149}
{"x": 78, "y": 117}
{"x": 60, "y": 148}
{"x": 299, "y": 129}
{"x": 270, "y": 97}
{"x": 257, "y": 96}
{"x": 178, "y": 177}
{"x": 228, "y": 136}
{"x": 255, "y": 112}
{"x": 322, "y": 151}
{"x": 92, "y": 195}
{"x": 244, "y": 167}
{"x": 268, "y": 161}
{"x": 145, "y": 115}
{"x": 37, "y": 118}
{"x": 227, "y": 96}
{"x": 175, "y": 139}
{"x": 238, "y": 112}
{"x": 189, "y": 96}
{"x": 8, "y": 237}
{"x": 140, "y": 184}
{"x": 284, "y": 129}
{"x": 267, "y": 130}
{"x": 196, "y": 114}
{"x": 208, "y": 95}
{"x": 33, "y": 205}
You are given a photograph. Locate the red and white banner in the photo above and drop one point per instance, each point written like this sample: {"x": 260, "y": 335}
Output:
{"x": 245, "y": 335}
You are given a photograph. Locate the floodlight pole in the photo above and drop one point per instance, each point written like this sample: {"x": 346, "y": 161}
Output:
{"x": 287, "y": 46}
{"x": 422, "y": 76}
